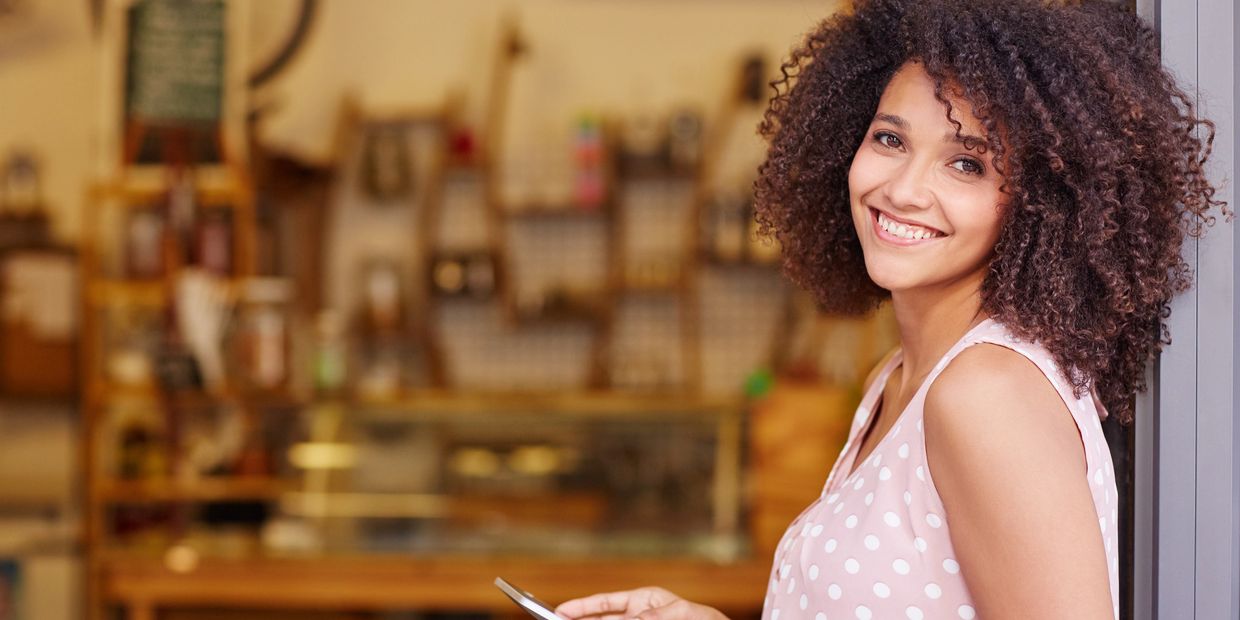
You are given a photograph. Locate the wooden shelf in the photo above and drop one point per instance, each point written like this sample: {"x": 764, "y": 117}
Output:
{"x": 140, "y": 192}
{"x": 128, "y": 292}
{"x": 561, "y": 316}
{"x": 209, "y": 489}
{"x": 112, "y": 291}
{"x": 573, "y": 509}
{"x": 672, "y": 287}
{"x": 555, "y": 211}
{"x": 457, "y": 402}
{"x": 457, "y": 166}
{"x": 652, "y": 173}
{"x": 104, "y": 390}
{"x": 714, "y": 260}
{"x": 464, "y": 296}
{"x": 400, "y": 114}
{"x": 561, "y": 307}
{"x": 453, "y": 403}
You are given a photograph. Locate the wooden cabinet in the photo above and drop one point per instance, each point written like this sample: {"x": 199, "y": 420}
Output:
{"x": 112, "y": 383}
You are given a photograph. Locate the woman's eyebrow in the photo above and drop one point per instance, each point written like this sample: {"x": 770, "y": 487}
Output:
{"x": 950, "y": 136}
{"x": 963, "y": 138}
{"x": 893, "y": 119}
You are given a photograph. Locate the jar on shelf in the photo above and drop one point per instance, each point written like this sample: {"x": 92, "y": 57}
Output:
{"x": 261, "y": 340}
{"x": 144, "y": 249}
{"x": 213, "y": 241}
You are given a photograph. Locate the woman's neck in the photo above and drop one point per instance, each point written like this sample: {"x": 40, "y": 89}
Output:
{"x": 931, "y": 321}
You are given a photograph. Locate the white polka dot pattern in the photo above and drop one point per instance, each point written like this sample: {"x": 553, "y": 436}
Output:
{"x": 889, "y": 555}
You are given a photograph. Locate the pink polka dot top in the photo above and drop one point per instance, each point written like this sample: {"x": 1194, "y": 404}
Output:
{"x": 876, "y": 543}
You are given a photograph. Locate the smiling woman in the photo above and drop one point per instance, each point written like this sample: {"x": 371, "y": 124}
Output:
{"x": 1066, "y": 108}
{"x": 1017, "y": 178}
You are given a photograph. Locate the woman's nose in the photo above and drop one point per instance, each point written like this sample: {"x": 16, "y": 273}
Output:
{"x": 908, "y": 186}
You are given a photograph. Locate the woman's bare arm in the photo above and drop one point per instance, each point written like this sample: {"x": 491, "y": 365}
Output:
{"x": 1009, "y": 465}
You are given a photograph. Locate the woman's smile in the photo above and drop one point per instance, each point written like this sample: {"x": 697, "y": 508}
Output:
{"x": 896, "y": 231}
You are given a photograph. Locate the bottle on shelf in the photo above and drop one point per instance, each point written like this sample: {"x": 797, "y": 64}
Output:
{"x": 590, "y": 183}
{"x": 329, "y": 359}
{"x": 262, "y": 338}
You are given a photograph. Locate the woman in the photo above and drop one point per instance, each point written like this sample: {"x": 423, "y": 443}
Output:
{"x": 1017, "y": 178}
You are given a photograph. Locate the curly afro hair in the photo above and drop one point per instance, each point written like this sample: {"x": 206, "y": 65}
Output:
{"x": 1098, "y": 147}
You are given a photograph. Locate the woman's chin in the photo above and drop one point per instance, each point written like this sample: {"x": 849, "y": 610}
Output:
{"x": 890, "y": 280}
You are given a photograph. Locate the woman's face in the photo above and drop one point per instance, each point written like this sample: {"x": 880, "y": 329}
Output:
{"x": 927, "y": 210}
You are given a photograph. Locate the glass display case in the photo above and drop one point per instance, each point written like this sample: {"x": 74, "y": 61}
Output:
{"x": 439, "y": 474}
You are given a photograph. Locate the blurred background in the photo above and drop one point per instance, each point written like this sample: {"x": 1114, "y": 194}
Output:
{"x": 327, "y": 309}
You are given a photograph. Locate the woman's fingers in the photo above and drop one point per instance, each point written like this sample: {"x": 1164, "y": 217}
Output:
{"x": 681, "y": 610}
{"x": 617, "y": 605}
{"x": 596, "y": 605}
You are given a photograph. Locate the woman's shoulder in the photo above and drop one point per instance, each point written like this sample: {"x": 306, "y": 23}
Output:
{"x": 992, "y": 365}
{"x": 987, "y": 370}
{"x": 996, "y": 393}
{"x": 994, "y": 353}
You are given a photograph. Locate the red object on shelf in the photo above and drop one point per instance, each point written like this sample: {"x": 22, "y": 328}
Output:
{"x": 463, "y": 144}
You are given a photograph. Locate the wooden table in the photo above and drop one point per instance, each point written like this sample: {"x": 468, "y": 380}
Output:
{"x": 145, "y": 586}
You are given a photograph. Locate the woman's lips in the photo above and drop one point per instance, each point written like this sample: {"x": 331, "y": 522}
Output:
{"x": 901, "y": 233}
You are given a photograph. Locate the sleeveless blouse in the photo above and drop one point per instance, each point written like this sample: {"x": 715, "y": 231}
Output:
{"x": 876, "y": 543}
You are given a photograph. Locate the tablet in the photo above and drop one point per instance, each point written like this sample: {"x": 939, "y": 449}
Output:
{"x": 526, "y": 601}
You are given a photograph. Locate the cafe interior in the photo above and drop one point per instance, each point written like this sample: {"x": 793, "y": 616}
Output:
{"x": 341, "y": 310}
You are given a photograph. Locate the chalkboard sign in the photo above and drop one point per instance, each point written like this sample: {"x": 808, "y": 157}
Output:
{"x": 175, "y": 62}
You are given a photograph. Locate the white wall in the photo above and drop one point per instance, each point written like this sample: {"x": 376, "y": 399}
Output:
{"x": 47, "y": 92}
{"x": 585, "y": 55}
{"x": 598, "y": 55}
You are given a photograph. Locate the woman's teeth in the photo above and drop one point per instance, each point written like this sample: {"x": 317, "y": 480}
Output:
{"x": 905, "y": 231}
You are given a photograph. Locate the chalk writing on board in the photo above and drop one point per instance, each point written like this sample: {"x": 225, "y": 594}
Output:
{"x": 176, "y": 61}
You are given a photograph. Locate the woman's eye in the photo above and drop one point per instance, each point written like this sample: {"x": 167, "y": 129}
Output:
{"x": 968, "y": 166}
{"x": 888, "y": 140}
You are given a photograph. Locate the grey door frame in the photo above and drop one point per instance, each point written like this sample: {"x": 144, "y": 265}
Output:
{"x": 1187, "y": 479}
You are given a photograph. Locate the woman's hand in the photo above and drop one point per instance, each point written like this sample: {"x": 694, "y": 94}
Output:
{"x": 642, "y": 603}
